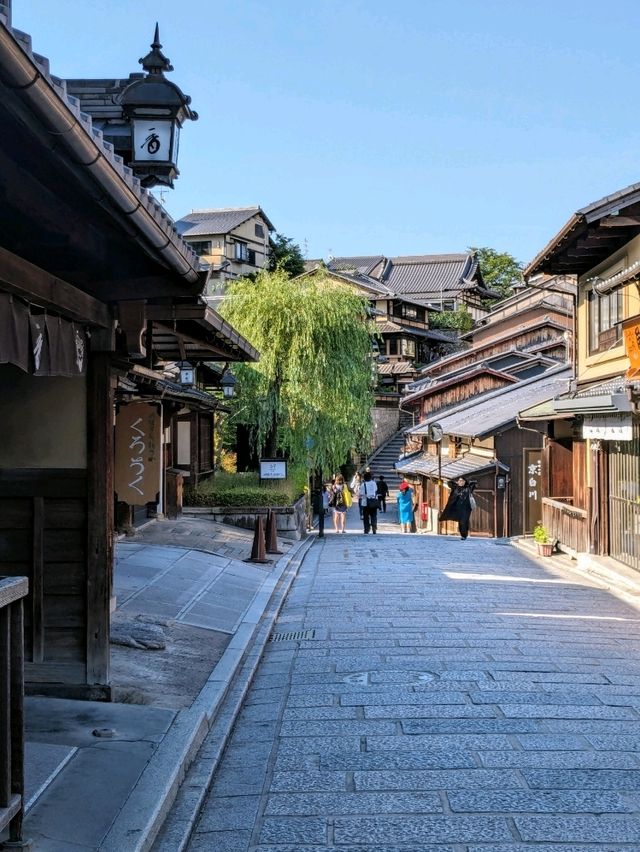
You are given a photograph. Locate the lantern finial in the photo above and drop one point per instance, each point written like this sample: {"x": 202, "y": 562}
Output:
{"x": 155, "y": 62}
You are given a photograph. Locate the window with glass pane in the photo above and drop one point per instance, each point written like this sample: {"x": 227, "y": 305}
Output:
{"x": 605, "y": 316}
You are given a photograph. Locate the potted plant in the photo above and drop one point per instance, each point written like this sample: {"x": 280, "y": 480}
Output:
{"x": 543, "y": 539}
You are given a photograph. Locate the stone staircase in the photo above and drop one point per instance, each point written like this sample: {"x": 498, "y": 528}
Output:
{"x": 383, "y": 459}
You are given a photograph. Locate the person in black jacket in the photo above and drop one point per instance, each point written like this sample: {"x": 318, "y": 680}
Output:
{"x": 460, "y": 504}
{"x": 383, "y": 493}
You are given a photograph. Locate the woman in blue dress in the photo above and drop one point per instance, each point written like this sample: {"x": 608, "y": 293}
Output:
{"x": 405, "y": 506}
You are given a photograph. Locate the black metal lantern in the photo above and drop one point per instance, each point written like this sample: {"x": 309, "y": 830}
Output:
{"x": 157, "y": 109}
{"x": 187, "y": 374}
{"x": 228, "y": 384}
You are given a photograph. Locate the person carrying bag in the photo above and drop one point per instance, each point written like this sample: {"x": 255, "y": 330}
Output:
{"x": 369, "y": 501}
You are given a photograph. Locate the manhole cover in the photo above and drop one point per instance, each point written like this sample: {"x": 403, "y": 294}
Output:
{"x": 292, "y": 635}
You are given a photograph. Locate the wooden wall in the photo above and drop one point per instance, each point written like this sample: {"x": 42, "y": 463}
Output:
{"x": 43, "y": 535}
{"x": 461, "y": 391}
{"x": 509, "y": 446}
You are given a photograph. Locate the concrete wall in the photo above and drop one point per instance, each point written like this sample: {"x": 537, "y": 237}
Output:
{"x": 386, "y": 421}
{"x": 43, "y": 423}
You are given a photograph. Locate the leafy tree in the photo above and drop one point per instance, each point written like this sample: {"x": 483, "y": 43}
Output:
{"x": 285, "y": 254}
{"x": 500, "y": 270}
{"x": 310, "y": 394}
{"x": 460, "y": 319}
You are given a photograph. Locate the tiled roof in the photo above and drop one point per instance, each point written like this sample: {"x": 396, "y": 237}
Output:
{"x": 484, "y": 415}
{"x": 104, "y": 149}
{"x": 431, "y": 274}
{"x": 391, "y": 327}
{"x": 427, "y": 465}
{"x": 200, "y": 223}
{"x": 396, "y": 368}
{"x": 360, "y": 279}
{"x": 365, "y": 264}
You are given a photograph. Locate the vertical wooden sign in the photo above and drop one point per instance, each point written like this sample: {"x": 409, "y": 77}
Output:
{"x": 532, "y": 460}
{"x": 138, "y": 453}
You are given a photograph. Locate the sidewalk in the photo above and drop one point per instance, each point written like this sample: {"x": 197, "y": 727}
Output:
{"x": 101, "y": 775}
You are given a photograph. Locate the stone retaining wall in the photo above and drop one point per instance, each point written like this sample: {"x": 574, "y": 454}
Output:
{"x": 290, "y": 520}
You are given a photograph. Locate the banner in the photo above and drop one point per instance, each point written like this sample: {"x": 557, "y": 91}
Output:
{"x": 138, "y": 451}
{"x": 631, "y": 331}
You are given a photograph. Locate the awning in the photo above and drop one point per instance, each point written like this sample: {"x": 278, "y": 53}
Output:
{"x": 608, "y": 397}
{"x": 426, "y": 464}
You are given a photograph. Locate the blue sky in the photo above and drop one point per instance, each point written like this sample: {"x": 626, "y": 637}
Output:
{"x": 365, "y": 127}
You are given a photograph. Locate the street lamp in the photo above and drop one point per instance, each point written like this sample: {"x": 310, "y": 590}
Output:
{"x": 156, "y": 109}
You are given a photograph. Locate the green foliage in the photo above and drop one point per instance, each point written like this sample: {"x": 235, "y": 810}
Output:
{"x": 460, "y": 319}
{"x": 285, "y": 254}
{"x": 244, "y": 489}
{"x": 500, "y": 270}
{"x": 313, "y": 379}
{"x": 541, "y": 534}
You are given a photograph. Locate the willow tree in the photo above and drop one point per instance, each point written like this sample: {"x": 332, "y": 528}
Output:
{"x": 310, "y": 394}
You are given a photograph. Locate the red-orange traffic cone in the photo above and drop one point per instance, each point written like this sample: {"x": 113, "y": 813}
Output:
{"x": 257, "y": 551}
{"x": 272, "y": 534}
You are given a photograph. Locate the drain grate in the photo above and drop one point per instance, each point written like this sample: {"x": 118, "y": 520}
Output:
{"x": 292, "y": 635}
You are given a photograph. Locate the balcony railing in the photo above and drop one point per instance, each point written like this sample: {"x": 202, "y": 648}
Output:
{"x": 12, "y": 592}
{"x": 566, "y": 523}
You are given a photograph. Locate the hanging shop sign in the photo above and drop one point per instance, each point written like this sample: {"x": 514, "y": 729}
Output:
{"x": 631, "y": 331}
{"x": 608, "y": 428}
{"x": 138, "y": 452}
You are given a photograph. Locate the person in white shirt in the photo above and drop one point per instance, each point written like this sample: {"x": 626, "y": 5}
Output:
{"x": 368, "y": 500}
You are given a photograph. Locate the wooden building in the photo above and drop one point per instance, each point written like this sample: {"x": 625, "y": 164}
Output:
{"x": 94, "y": 280}
{"x": 482, "y": 438}
{"x": 592, "y": 433}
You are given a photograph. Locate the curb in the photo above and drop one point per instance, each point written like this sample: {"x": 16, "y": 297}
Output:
{"x": 587, "y": 565}
{"x": 138, "y": 823}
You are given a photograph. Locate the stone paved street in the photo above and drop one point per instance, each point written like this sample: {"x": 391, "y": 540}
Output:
{"x": 455, "y": 697}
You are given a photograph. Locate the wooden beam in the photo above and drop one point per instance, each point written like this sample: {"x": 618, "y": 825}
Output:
{"x": 619, "y": 221}
{"x": 35, "y": 285}
{"x": 100, "y": 464}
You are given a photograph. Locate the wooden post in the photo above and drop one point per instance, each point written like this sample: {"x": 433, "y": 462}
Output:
{"x": 100, "y": 502}
{"x": 194, "y": 460}
{"x": 5, "y": 710}
{"x": 16, "y": 628}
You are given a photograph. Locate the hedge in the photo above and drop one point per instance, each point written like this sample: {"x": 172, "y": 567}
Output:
{"x": 245, "y": 496}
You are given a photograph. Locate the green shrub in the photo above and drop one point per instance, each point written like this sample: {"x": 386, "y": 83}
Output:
{"x": 244, "y": 489}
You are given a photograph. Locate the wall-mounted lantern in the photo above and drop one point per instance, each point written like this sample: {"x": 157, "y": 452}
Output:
{"x": 156, "y": 109}
{"x": 228, "y": 383}
{"x": 187, "y": 374}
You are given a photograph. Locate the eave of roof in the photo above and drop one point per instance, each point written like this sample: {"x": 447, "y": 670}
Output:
{"x": 502, "y": 415}
{"x": 428, "y": 464}
{"x": 29, "y": 76}
{"x": 609, "y": 204}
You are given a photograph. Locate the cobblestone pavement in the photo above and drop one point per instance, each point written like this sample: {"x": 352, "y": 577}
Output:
{"x": 456, "y": 697}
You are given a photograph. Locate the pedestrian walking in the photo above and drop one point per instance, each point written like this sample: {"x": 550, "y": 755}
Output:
{"x": 460, "y": 504}
{"x": 356, "y": 482}
{"x": 340, "y": 502}
{"x": 369, "y": 502}
{"x": 405, "y": 506}
{"x": 383, "y": 493}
